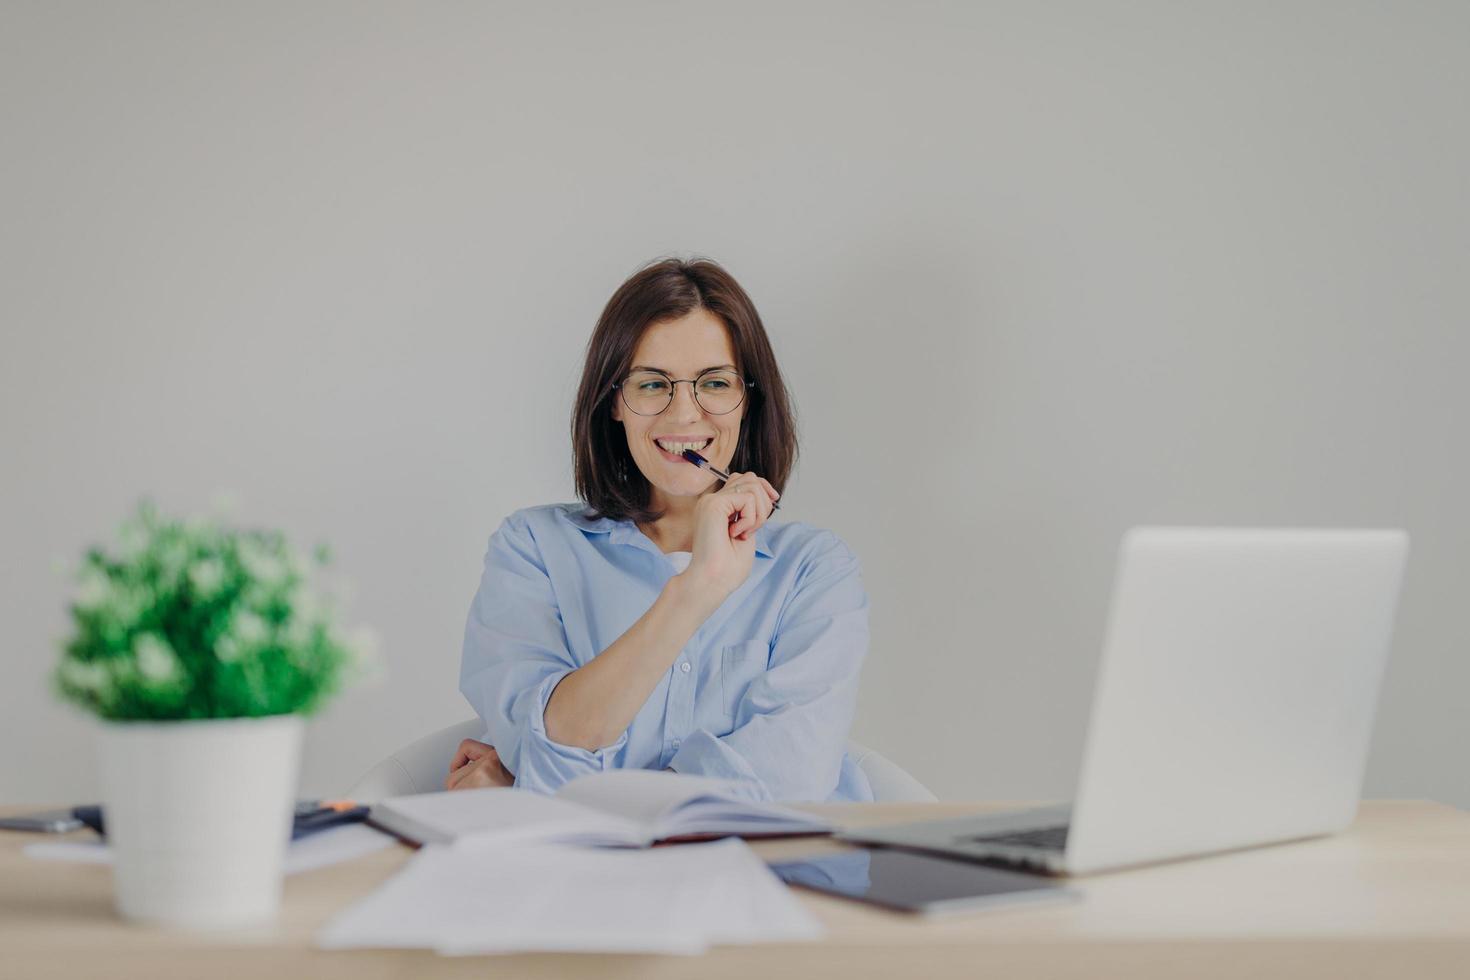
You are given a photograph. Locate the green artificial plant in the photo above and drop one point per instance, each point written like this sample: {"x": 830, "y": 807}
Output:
{"x": 193, "y": 619}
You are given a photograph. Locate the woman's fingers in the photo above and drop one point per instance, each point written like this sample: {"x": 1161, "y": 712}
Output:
{"x": 754, "y": 513}
{"x": 466, "y": 776}
{"x": 755, "y": 499}
{"x": 742, "y": 500}
{"x": 480, "y": 773}
{"x": 762, "y": 482}
{"x": 484, "y": 769}
{"x": 461, "y": 754}
{"x": 469, "y": 750}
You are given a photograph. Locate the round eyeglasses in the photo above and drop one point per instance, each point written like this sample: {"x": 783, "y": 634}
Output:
{"x": 650, "y": 392}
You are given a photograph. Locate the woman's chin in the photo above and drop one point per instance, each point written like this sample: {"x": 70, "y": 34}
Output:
{"x": 693, "y": 485}
{"x": 683, "y": 491}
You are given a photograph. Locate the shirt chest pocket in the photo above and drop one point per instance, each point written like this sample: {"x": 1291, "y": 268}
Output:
{"x": 740, "y": 664}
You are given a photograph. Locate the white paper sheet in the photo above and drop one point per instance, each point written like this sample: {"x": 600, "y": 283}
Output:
{"x": 474, "y": 897}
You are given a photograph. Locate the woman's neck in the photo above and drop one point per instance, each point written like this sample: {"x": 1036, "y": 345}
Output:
{"x": 675, "y": 530}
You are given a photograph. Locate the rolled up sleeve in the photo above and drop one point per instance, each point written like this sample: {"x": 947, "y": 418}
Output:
{"x": 515, "y": 653}
{"x": 792, "y": 724}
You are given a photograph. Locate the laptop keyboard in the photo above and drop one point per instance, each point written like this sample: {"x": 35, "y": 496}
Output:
{"x": 1046, "y": 838}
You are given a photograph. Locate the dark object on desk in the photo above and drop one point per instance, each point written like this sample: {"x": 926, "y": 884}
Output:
{"x": 311, "y": 816}
{"x": 46, "y": 822}
{"x": 912, "y": 882}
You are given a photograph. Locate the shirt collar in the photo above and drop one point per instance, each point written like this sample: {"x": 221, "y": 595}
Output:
{"x": 627, "y": 532}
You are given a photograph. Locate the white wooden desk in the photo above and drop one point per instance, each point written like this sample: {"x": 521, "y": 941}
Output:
{"x": 1391, "y": 897}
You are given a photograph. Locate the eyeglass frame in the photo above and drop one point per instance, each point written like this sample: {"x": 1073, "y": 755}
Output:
{"x": 693, "y": 391}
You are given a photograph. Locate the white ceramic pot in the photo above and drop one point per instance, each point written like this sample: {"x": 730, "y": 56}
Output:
{"x": 198, "y": 816}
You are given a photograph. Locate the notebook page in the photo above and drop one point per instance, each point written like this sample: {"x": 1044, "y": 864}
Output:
{"x": 502, "y": 813}
{"x": 641, "y": 795}
{"x": 711, "y": 816}
{"x": 672, "y": 804}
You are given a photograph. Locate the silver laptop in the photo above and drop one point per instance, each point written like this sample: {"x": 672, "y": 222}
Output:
{"x": 1234, "y": 702}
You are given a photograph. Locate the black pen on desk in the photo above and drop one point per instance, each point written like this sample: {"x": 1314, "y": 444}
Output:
{"x": 700, "y": 461}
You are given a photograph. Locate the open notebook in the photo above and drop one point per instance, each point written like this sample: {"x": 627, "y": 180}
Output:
{"x": 616, "y": 808}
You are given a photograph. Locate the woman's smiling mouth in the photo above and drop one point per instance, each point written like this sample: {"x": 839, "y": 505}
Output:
{"x": 674, "y": 448}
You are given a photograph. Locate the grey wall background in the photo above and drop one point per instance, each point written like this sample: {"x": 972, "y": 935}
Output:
{"x": 1134, "y": 262}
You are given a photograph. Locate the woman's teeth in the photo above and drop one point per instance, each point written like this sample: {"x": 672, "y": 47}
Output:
{"x": 677, "y": 448}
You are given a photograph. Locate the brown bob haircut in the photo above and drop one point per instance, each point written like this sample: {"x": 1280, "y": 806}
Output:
{"x": 607, "y": 478}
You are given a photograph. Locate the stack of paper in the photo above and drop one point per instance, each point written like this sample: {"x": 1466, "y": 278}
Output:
{"x": 476, "y": 896}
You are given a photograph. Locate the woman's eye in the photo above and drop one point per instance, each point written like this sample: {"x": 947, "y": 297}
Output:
{"x": 717, "y": 385}
{"x": 652, "y": 386}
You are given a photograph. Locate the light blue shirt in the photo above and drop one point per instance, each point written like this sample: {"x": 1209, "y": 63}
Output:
{"x": 763, "y": 693}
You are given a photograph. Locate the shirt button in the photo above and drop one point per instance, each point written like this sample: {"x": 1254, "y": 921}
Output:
{"x": 676, "y": 743}
{"x": 684, "y": 667}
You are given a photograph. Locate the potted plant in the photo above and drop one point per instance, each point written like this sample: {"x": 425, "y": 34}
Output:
{"x": 200, "y": 647}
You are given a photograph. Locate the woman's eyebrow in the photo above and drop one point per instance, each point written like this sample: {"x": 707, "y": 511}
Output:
{"x": 645, "y": 367}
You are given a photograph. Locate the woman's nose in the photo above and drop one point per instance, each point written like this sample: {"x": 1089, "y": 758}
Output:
{"x": 689, "y": 401}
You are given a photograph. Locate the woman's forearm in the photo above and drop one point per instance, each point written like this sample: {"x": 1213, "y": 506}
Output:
{"x": 594, "y": 704}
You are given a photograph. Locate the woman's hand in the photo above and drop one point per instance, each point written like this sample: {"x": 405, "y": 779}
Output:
{"x": 477, "y": 765}
{"x": 724, "y": 533}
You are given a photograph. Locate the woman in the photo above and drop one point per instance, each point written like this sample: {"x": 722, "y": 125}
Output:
{"x": 668, "y": 624}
